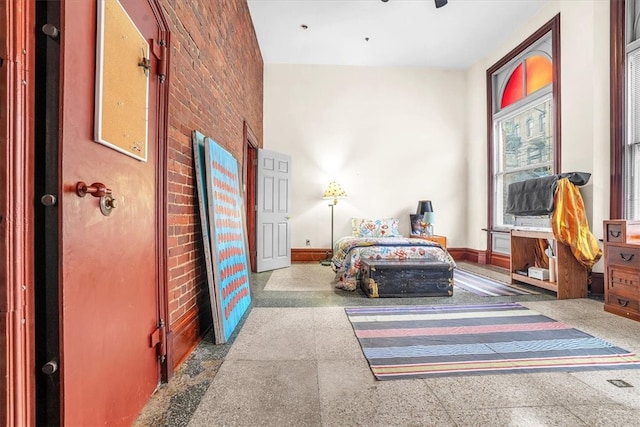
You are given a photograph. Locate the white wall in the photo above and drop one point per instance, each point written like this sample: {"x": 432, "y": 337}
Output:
{"x": 476, "y": 141}
{"x": 393, "y": 136}
{"x": 390, "y": 136}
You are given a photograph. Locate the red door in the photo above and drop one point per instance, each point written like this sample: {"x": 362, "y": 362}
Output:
{"x": 110, "y": 266}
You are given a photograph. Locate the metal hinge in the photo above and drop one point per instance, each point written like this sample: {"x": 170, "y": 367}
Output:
{"x": 160, "y": 52}
{"x": 158, "y": 339}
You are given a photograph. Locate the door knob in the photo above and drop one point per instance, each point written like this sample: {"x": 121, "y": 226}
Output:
{"x": 50, "y": 367}
{"x": 48, "y": 200}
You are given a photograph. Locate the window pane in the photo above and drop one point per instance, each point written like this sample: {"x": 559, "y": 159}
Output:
{"x": 632, "y": 152}
{"x": 514, "y": 90}
{"x": 503, "y": 218}
{"x": 632, "y": 178}
{"x": 633, "y": 96}
{"x": 633, "y": 20}
{"x": 534, "y": 149}
{"x": 539, "y": 73}
{"x": 521, "y": 157}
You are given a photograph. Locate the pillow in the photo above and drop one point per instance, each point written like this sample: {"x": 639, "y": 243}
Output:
{"x": 387, "y": 227}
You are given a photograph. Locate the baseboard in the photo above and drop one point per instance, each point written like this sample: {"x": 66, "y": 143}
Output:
{"x": 458, "y": 254}
{"x": 483, "y": 258}
{"x": 309, "y": 255}
{"x": 187, "y": 332}
{"x": 500, "y": 260}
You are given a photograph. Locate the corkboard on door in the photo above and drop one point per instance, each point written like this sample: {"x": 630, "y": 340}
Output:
{"x": 122, "y": 84}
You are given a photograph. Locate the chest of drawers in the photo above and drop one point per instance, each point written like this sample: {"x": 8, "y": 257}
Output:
{"x": 622, "y": 268}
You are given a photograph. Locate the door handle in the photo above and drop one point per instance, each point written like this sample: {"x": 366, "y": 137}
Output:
{"x": 98, "y": 189}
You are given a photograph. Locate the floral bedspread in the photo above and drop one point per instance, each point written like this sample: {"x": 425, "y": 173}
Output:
{"x": 349, "y": 252}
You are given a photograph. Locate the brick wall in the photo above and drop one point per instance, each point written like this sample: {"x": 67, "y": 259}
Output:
{"x": 216, "y": 82}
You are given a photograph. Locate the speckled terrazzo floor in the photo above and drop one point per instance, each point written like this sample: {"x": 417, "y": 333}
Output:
{"x": 294, "y": 360}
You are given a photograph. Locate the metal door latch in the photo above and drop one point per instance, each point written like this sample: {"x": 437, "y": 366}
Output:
{"x": 107, "y": 204}
{"x": 98, "y": 189}
{"x": 145, "y": 63}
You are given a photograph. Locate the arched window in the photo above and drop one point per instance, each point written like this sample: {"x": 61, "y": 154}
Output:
{"x": 522, "y": 90}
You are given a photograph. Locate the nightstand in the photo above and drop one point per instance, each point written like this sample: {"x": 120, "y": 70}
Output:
{"x": 438, "y": 239}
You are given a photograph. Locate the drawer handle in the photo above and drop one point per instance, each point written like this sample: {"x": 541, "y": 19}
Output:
{"x": 614, "y": 233}
{"x": 623, "y": 303}
{"x": 626, "y": 257}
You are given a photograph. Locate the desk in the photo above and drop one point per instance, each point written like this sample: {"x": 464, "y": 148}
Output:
{"x": 572, "y": 277}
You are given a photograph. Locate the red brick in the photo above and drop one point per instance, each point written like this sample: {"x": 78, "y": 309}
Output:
{"x": 215, "y": 84}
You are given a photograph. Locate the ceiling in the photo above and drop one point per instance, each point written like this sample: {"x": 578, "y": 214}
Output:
{"x": 392, "y": 33}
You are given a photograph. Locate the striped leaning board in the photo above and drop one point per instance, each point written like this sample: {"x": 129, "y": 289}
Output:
{"x": 450, "y": 340}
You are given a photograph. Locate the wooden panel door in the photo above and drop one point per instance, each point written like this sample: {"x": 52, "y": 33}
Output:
{"x": 110, "y": 265}
{"x": 272, "y": 218}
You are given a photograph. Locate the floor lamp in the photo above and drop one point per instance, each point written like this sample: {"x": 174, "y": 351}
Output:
{"x": 334, "y": 191}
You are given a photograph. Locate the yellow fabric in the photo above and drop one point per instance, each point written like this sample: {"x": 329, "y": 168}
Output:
{"x": 570, "y": 225}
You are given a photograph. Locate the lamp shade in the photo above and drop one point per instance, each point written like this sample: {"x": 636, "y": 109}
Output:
{"x": 424, "y": 206}
{"x": 429, "y": 217}
{"x": 334, "y": 191}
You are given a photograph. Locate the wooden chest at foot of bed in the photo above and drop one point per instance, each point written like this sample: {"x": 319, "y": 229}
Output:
{"x": 409, "y": 278}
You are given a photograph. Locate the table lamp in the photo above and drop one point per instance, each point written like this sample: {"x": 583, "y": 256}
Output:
{"x": 425, "y": 208}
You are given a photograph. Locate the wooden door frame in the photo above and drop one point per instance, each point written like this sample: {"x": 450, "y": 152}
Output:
{"x": 249, "y": 159}
{"x": 162, "y": 173}
{"x": 17, "y": 100}
{"x": 17, "y": 386}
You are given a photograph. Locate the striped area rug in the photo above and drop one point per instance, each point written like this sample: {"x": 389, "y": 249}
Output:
{"x": 456, "y": 340}
{"x": 485, "y": 286}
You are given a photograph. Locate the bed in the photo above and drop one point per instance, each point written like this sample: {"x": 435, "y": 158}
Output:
{"x": 378, "y": 240}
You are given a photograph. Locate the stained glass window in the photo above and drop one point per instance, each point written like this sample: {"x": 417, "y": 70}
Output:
{"x": 539, "y": 73}
{"x": 528, "y": 76}
{"x": 513, "y": 91}
{"x": 522, "y": 99}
